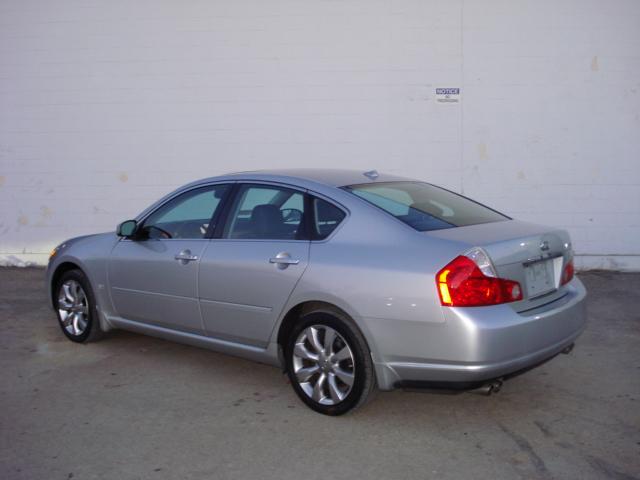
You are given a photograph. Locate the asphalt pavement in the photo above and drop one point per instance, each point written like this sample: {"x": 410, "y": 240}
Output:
{"x": 135, "y": 407}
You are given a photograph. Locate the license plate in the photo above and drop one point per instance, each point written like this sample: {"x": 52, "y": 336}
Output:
{"x": 540, "y": 278}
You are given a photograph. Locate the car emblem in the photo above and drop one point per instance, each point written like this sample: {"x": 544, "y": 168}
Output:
{"x": 544, "y": 246}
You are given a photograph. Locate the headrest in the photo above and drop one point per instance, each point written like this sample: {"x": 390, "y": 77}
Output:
{"x": 266, "y": 218}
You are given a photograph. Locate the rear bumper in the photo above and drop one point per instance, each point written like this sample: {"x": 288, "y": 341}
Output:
{"x": 477, "y": 344}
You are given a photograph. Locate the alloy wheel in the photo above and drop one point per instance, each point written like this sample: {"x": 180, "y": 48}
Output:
{"x": 73, "y": 307}
{"x": 323, "y": 364}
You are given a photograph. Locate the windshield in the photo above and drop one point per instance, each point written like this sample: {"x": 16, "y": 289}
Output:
{"x": 424, "y": 206}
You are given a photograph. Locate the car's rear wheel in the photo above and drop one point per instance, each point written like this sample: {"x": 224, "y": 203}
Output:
{"x": 76, "y": 307}
{"x": 329, "y": 363}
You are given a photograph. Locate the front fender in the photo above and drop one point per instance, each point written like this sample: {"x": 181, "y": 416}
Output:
{"x": 90, "y": 254}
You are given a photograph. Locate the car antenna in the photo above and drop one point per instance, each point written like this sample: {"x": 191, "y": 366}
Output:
{"x": 372, "y": 174}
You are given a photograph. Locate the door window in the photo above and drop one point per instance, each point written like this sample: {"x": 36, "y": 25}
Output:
{"x": 266, "y": 213}
{"x": 188, "y": 215}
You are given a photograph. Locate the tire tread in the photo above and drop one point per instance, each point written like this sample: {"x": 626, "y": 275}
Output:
{"x": 369, "y": 387}
{"x": 95, "y": 332}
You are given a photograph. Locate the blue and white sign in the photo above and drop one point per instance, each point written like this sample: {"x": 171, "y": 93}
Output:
{"x": 447, "y": 95}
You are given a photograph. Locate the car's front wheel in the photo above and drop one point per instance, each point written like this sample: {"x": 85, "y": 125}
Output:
{"x": 76, "y": 307}
{"x": 329, "y": 364}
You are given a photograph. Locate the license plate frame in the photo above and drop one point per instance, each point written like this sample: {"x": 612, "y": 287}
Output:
{"x": 540, "y": 277}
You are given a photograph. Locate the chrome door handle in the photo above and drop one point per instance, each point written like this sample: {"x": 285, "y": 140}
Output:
{"x": 185, "y": 257}
{"x": 283, "y": 260}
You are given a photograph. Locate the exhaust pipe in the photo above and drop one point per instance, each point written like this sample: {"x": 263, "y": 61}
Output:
{"x": 568, "y": 349}
{"x": 488, "y": 388}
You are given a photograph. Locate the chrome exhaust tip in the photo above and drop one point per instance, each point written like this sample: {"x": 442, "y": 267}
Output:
{"x": 489, "y": 388}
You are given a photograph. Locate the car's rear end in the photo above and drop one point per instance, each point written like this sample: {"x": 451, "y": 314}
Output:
{"x": 509, "y": 298}
{"x": 519, "y": 306}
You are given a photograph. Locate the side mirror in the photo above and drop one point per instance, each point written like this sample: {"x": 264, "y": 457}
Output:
{"x": 127, "y": 228}
{"x": 291, "y": 215}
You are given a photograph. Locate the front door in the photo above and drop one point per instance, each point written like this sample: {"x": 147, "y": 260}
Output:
{"x": 153, "y": 276}
{"x": 247, "y": 275}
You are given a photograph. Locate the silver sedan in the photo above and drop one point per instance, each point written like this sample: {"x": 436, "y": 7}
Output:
{"x": 349, "y": 281}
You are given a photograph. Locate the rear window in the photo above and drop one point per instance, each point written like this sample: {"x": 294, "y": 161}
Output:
{"x": 424, "y": 206}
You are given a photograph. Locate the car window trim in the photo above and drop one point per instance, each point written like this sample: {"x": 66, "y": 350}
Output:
{"x": 308, "y": 216}
{"x": 224, "y": 212}
{"x": 217, "y": 214}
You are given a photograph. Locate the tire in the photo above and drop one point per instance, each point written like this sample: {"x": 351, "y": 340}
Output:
{"x": 75, "y": 307}
{"x": 340, "y": 358}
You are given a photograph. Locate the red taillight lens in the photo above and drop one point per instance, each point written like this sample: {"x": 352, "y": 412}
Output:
{"x": 567, "y": 273}
{"x": 462, "y": 284}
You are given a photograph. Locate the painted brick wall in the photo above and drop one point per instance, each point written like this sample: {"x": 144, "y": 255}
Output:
{"x": 104, "y": 106}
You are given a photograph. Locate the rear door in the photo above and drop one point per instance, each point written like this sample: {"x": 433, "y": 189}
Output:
{"x": 153, "y": 277}
{"x": 248, "y": 273}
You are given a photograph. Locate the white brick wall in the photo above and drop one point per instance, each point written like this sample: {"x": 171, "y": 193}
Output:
{"x": 104, "y": 106}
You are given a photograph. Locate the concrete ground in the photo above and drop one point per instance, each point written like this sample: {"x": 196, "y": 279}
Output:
{"x": 134, "y": 407}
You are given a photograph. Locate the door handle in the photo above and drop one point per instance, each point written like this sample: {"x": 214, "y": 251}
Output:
{"x": 283, "y": 260}
{"x": 185, "y": 257}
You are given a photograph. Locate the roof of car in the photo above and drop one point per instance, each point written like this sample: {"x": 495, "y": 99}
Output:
{"x": 319, "y": 180}
{"x": 328, "y": 176}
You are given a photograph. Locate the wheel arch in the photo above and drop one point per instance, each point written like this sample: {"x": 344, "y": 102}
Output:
{"x": 297, "y": 311}
{"x": 307, "y": 306}
{"x": 60, "y": 270}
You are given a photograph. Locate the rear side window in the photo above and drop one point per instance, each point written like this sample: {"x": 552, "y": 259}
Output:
{"x": 326, "y": 218}
{"x": 425, "y": 207}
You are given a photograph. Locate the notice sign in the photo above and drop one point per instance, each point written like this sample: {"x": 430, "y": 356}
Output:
{"x": 447, "y": 95}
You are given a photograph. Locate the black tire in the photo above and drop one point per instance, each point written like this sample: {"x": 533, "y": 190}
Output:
{"x": 364, "y": 381}
{"x": 92, "y": 331}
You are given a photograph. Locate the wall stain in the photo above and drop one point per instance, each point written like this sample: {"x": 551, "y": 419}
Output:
{"x": 2, "y": 180}
{"x": 46, "y": 212}
{"x": 123, "y": 177}
{"x": 594, "y": 64}
{"x": 23, "y": 220}
{"x": 482, "y": 151}
{"x": 521, "y": 175}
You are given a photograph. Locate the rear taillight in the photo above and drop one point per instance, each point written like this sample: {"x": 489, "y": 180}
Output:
{"x": 468, "y": 283}
{"x": 567, "y": 272}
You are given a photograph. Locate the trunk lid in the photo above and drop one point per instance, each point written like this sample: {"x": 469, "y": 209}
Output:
{"x": 533, "y": 255}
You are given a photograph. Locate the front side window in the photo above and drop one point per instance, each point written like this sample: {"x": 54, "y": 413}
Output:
{"x": 264, "y": 212}
{"x": 425, "y": 207}
{"x": 188, "y": 215}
